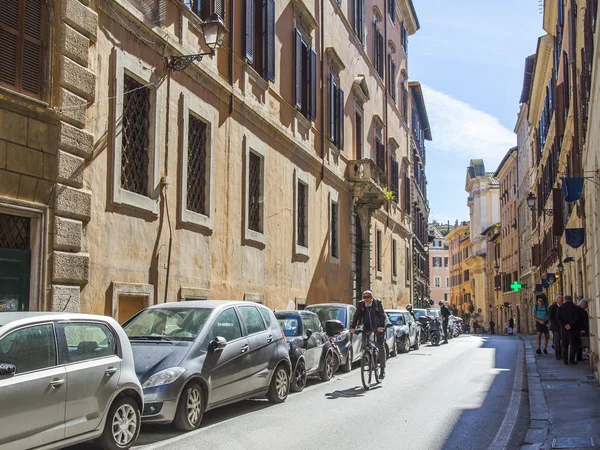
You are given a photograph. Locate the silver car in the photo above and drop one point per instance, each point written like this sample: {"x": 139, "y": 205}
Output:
{"x": 66, "y": 379}
{"x": 198, "y": 355}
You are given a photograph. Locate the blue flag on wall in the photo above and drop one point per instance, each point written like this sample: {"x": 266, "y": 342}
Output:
{"x": 575, "y": 237}
{"x": 545, "y": 284}
{"x": 572, "y": 188}
{"x": 538, "y": 288}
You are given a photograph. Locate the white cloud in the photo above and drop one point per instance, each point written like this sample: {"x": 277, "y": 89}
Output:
{"x": 462, "y": 130}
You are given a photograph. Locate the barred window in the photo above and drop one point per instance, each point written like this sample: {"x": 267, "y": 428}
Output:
{"x": 136, "y": 136}
{"x": 302, "y": 216}
{"x": 378, "y": 250}
{"x": 197, "y": 199}
{"x": 394, "y": 258}
{"x": 254, "y": 193}
{"x": 334, "y": 231}
{"x": 15, "y": 232}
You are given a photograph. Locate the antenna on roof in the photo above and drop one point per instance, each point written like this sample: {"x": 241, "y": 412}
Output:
{"x": 67, "y": 304}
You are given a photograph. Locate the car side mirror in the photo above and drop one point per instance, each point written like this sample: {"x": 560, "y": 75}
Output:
{"x": 389, "y": 325}
{"x": 308, "y": 334}
{"x": 217, "y": 344}
{"x": 333, "y": 327}
{"x": 7, "y": 369}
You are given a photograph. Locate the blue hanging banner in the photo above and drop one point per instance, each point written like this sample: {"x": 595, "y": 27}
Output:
{"x": 575, "y": 237}
{"x": 545, "y": 284}
{"x": 550, "y": 278}
{"x": 538, "y": 288}
{"x": 572, "y": 188}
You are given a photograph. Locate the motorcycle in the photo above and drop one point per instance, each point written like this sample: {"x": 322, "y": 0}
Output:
{"x": 435, "y": 331}
{"x": 424, "y": 324}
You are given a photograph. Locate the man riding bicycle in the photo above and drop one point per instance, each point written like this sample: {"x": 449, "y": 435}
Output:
{"x": 371, "y": 316}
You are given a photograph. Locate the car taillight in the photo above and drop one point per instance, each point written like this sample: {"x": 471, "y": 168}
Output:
{"x": 283, "y": 335}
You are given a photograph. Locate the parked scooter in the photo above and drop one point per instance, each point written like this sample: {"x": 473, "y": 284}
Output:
{"x": 424, "y": 324}
{"x": 435, "y": 331}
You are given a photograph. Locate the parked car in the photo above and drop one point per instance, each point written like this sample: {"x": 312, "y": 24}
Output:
{"x": 198, "y": 355}
{"x": 350, "y": 345}
{"x": 66, "y": 379}
{"x": 406, "y": 330}
{"x": 311, "y": 352}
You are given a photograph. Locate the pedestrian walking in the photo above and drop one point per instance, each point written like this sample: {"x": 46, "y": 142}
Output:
{"x": 492, "y": 326}
{"x": 584, "y": 325}
{"x": 511, "y": 325}
{"x": 555, "y": 326}
{"x": 445, "y": 312}
{"x": 569, "y": 318}
{"x": 540, "y": 315}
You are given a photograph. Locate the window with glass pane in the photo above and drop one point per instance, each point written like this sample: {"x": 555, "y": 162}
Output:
{"x": 197, "y": 166}
{"x": 86, "y": 341}
{"x": 227, "y": 326}
{"x": 135, "y": 158}
{"x": 302, "y": 215}
{"x": 394, "y": 258}
{"x": 252, "y": 319}
{"x": 334, "y": 230}
{"x": 378, "y": 249}
{"x": 29, "y": 349}
{"x": 254, "y": 193}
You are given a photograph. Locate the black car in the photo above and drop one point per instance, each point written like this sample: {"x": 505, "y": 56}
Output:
{"x": 406, "y": 330}
{"x": 350, "y": 345}
{"x": 310, "y": 350}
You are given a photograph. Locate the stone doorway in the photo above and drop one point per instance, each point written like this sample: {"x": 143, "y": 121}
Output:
{"x": 15, "y": 262}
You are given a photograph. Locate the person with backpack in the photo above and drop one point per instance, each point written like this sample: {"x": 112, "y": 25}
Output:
{"x": 541, "y": 317}
{"x": 371, "y": 316}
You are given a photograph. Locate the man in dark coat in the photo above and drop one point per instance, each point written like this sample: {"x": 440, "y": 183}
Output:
{"x": 554, "y": 325}
{"x": 584, "y": 325}
{"x": 568, "y": 317}
{"x": 371, "y": 316}
{"x": 445, "y": 312}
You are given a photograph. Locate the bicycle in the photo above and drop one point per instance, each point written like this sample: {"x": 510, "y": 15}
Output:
{"x": 369, "y": 361}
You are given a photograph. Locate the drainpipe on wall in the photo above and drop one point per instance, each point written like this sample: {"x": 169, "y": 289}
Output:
{"x": 322, "y": 28}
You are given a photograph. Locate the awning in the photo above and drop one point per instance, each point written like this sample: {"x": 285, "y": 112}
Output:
{"x": 575, "y": 237}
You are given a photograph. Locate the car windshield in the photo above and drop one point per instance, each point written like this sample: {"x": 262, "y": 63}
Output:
{"x": 420, "y": 312}
{"x": 326, "y": 313}
{"x": 169, "y": 324}
{"x": 396, "y": 318}
{"x": 290, "y": 325}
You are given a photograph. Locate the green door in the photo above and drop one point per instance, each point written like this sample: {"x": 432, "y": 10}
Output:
{"x": 14, "y": 279}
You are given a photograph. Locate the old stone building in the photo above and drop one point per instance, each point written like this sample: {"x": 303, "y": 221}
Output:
{"x": 459, "y": 252}
{"x": 439, "y": 261}
{"x": 278, "y": 168}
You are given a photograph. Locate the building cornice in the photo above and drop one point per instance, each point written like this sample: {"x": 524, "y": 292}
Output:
{"x": 538, "y": 88}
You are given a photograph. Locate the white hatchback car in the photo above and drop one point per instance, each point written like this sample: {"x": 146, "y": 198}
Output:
{"x": 66, "y": 379}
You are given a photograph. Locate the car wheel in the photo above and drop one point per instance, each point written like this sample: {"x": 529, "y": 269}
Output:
{"x": 417, "y": 342}
{"x": 122, "y": 426}
{"x": 299, "y": 377}
{"x": 190, "y": 408}
{"x": 348, "y": 366}
{"x": 280, "y": 385}
{"x": 328, "y": 367}
{"x": 405, "y": 345}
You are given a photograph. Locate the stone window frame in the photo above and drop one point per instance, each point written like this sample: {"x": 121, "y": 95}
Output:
{"x": 125, "y": 63}
{"x": 255, "y": 298}
{"x": 190, "y": 293}
{"x": 303, "y": 177}
{"x": 378, "y": 253}
{"x": 133, "y": 289}
{"x": 254, "y": 145}
{"x": 38, "y": 215}
{"x": 203, "y": 112}
{"x": 334, "y": 199}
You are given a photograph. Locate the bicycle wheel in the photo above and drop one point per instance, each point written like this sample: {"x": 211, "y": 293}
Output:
{"x": 375, "y": 366}
{"x": 365, "y": 369}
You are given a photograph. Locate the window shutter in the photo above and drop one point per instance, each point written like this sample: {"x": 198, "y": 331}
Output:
{"x": 32, "y": 47}
{"x": 219, "y": 8}
{"x": 393, "y": 79}
{"x": 559, "y": 114}
{"x": 356, "y": 16}
{"x": 332, "y": 108}
{"x": 298, "y": 71}
{"x": 557, "y": 212}
{"x": 362, "y": 21}
{"x": 341, "y": 119}
{"x": 249, "y": 30}
{"x": 270, "y": 38}
{"x": 313, "y": 85}
{"x": 9, "y": 36}
{"x": 381, "y": 56}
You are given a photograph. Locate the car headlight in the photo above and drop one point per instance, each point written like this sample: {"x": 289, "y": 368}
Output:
{"x": 338, "y": 338}
{"x": 163, "y": 377}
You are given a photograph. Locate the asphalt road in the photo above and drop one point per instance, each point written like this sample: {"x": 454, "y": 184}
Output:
{"x": 454, "y": 396}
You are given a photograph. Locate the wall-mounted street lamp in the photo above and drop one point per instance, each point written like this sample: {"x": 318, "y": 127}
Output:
{"x": 214, "y": 32}
{"x": 497, "y": 268}
{"x": 531, "y": 203}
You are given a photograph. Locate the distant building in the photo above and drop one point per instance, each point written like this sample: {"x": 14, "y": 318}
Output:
{"x": 439, "y": 262}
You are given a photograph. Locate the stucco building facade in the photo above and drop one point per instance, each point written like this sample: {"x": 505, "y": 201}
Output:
{"x": 439, "y": 262}
{"x": 262, "y": 172}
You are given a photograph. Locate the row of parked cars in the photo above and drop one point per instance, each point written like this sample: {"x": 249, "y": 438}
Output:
{"x": 71, "y": 378}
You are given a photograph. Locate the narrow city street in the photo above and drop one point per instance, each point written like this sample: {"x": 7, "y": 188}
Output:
{"x": 455, "y": 396}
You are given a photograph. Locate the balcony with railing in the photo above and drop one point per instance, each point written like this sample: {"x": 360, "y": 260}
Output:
{"x": 368, "y": 182}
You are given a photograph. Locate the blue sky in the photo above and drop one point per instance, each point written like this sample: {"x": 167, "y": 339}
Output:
{"x": 469, "y": 55}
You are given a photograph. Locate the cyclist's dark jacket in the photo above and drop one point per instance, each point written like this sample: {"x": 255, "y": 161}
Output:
{"x": 372, "y": 321}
